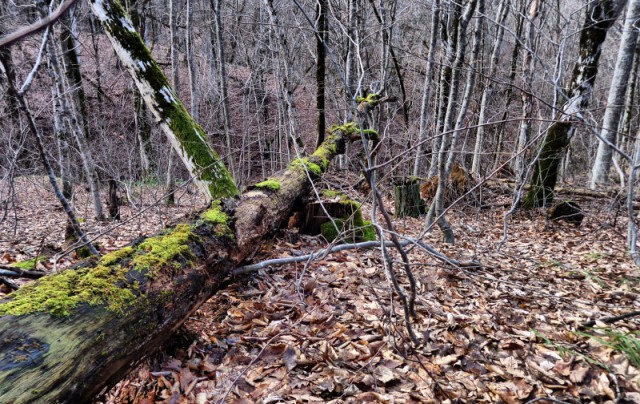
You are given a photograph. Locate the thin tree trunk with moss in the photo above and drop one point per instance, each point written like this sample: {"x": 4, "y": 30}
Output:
{"x": 185, "y": 135}
{"x": 600, "y": 16}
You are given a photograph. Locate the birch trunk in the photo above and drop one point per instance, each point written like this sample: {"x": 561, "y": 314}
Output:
{"x": 617, "y": 97}
{"x": 187, "y": 137}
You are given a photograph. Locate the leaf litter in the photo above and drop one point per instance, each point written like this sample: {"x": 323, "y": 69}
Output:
{"x": 507, "y": 332}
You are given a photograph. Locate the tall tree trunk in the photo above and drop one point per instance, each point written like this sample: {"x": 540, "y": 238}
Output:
{"x": 508, "y": 96}
{"x": 69, "y": 116}
{"x": 284, "y": 78}
{"x": 437, "y": 206}
{"x": 353, "y": 48}
{"x": 24, "y": 108}
{"x": 617, "y": 97}
{"x": 503, "y": 11}
{"x": 600, "y": 16}
{"x": 450, "y": 32}
{"x": 222, "y": 75}
{"x": 187, "y": 137}
{"x": 192, "y": 64}
{"x": 322, "y": 35}
{"x": 528, "y": 67}
{"x": 426, "y": 89}
{"x": 470, "y": 83}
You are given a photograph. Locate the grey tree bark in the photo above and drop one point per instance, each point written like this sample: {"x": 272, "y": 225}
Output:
{"x": 600, "y": 16}
{"x": 426, "y": 90}
{"x": 528, "y": 67}
{"x": 437, "y": 206}
{"x": 617, "y": 96}
{"x": 487, "y": 93}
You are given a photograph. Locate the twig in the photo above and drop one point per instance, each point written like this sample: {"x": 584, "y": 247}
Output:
{"x": 13, "y": 272}
{"x": 354, "y": 246}
{"x": 611, "y": 320}
{"x": 9, "y": 284}
{"x": 37, "y": 26}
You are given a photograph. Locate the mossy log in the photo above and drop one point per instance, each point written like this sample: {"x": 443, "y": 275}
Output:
{"x": 67, "y": 336}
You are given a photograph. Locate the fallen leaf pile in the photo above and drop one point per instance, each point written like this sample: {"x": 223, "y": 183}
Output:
{"x": 333, "y": 330}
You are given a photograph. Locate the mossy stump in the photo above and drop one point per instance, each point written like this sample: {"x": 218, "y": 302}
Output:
{"x": 337, "y": 219}
{"x": 407, "y": 197}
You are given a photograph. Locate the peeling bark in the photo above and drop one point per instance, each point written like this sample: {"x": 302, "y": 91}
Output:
{"x": 187, "y": 137}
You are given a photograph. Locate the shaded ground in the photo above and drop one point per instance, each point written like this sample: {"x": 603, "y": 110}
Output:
{"x": 505, "y": 333}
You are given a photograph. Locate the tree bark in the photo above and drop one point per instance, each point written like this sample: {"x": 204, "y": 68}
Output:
{"x": 501, "y": 15}
{"x": 528, "y": 68}
{"x": 601, "y": 15}
{"x": 426, "y": 90}
{"x": 187, "y": 137}
{"x": 616, "y": 98}
{"x": 321, "y": 52}
{"x": 66, "y": 346}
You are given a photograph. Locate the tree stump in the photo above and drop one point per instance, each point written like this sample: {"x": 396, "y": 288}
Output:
{"x": 407, "y": 197}
{"x": 333, "y": 219}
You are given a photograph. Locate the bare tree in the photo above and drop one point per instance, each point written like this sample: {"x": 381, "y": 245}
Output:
{"x": 617, "y": 96}
{"x": 600, "y": 16}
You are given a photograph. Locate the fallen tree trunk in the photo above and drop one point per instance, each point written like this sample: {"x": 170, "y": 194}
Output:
{"x": 67, "y": 336}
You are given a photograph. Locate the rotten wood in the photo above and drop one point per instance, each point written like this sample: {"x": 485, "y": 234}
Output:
{"x": 71, "y": 357}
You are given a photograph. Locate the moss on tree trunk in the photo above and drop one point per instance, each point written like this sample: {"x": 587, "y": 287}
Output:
{"x": 67, "y": 336}
{"x": 545, "y": 172}
{"x": 186, "y": 136}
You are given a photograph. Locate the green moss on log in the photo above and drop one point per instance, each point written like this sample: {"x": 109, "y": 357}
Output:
{"x": 270, "y": 183}
{"x": 356, "y": 228}
{"x": 118, "y": 255}
{"x": 156, "y": 252}
{"x": 305, "y": 164}
{"x": 59, "y": 294}
{"x": 364, "y": 232}
{"x": 28, "y": 265}
{"x": 217, "y": 217}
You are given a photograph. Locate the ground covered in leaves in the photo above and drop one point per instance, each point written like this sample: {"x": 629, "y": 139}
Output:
{"x": 332, "y": 331}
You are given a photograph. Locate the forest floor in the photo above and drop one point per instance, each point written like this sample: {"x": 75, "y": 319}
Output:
{"x": 507, "y": 332}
